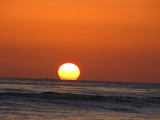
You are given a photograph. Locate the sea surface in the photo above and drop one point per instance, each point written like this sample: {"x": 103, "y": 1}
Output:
{"x": 47, "y": 99}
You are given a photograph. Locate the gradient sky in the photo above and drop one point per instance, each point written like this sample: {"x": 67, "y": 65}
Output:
{"x": 110, "y": 40}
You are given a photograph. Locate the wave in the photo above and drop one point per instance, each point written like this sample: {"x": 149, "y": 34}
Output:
{"x": 82, "y": 97}
{"x": 124, "y": 104}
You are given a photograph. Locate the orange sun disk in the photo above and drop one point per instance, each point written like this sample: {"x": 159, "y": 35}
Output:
{"x": 68, "y": 71}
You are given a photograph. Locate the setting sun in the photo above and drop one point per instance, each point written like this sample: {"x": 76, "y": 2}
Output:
{"x": 68, "y": 71}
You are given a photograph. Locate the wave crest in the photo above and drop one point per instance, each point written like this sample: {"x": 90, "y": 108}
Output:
{"x": 81, "y": 97}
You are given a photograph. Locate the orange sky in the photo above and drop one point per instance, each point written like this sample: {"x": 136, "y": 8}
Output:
{"x": 110, "y": 40}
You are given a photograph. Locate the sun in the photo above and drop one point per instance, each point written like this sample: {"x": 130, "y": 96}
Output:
{"x": 68, "y": 71}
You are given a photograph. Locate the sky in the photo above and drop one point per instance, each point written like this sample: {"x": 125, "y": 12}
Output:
{"x": 110, "y": 40}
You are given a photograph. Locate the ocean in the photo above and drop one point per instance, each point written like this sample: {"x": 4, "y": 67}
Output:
{"x": 48, "y": 99}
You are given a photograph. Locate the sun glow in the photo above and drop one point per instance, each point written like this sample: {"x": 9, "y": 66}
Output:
{"x": 68, "y": 71}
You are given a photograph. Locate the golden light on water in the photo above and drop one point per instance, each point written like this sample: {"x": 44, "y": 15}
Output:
{"x": 68, "y": 71}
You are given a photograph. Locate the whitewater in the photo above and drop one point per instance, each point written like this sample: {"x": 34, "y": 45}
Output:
{"x": 48, "y": 99}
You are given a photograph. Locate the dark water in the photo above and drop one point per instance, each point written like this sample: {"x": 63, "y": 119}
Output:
{"x": 45, "y": 99}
